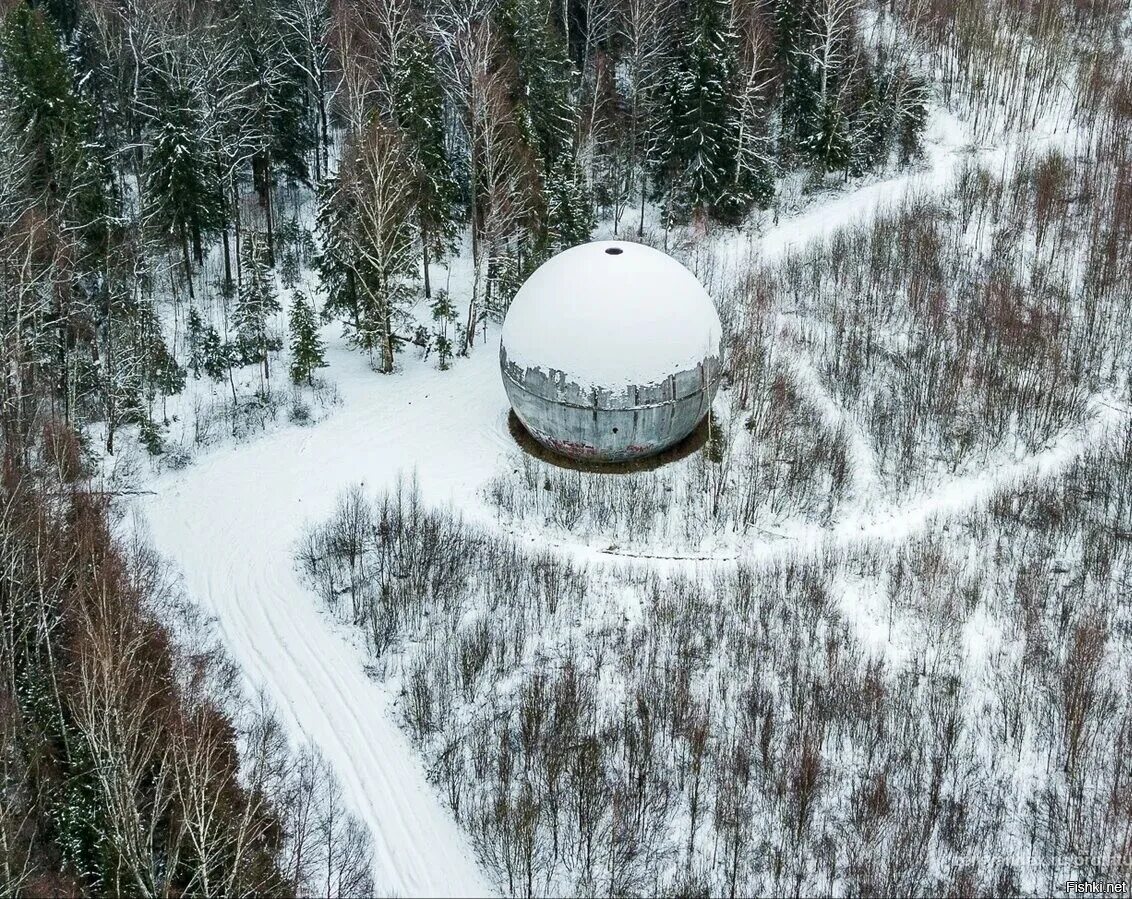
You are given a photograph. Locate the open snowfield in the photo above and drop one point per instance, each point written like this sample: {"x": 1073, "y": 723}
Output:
{"x": 230, "y": 521}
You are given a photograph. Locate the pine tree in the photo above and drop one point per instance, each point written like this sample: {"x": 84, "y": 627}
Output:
{"x": 182, "y": 191}
{"x": 50, "y": 132}
{"x": 570, "y": 214}
{"x": 194, "y": 337}
{"x": 698, "y": 163}
{"x": 280, "y": 120}
{"x": 161, "y": 373}
{"x": 217, "y": 357}
{"x": 830, "y": 143}
{"x": 444, "y": 315}
{"x": 335, "y": 258}
{"x": 289, "y": 237}
{"x": 38, "y": 92}
{"x": 548, "y": 117}
{"x": 66, "y": 13}
{"x": 307, "y": 352}
{"x": 799, "y": 93}
{"x": 418, "y": 108}
{"x": 367, "y": 250}
{"x": 545, "y": 75}
{"x": 256, "y": 303}
{"x": 815, "y": 45}
{"x": 56, "y": 125}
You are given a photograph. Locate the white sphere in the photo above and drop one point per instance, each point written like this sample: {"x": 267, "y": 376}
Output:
{"x": 611, "y": 327}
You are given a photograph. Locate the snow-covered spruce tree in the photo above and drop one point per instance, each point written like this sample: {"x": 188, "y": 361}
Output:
{"x": 56, "y": 124}
{"x": 279, "y": 125}
{"x": 62, "y": 196}
{"x": 162, "y": 374}
{"x": 818, "y": 48}
{"x": 194, "y": 338}
{"x": 799, "y": 113}
{"x": 335, "y": 259}
{"x": 444, "y": 316}
{"x": 182, "y": 192}
{"x": 699, "y": 134}
{"x": 218, "y": 357}
{"x": 569, "y": 208}
{"x": 256, "y": 304}
{"x": 307, "y": 351}
{"x": 547, "y": 115}
{"x": 306, "y": 27}
{"x": 418, "y": 108}
{"x": 365, "y": 221}
{"x": 120, "y": 370}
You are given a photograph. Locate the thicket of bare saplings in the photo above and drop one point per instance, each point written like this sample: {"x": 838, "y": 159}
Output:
{"x": 1008, "y": 67}
{"x": 943, "y": 714}
{"x": 128, "y": 763}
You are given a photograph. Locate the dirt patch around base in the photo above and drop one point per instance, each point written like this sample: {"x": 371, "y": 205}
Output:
{"x": 690, "y": 444}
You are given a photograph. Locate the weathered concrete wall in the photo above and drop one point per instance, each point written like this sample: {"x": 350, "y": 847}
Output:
{"x": 609, "y": 425}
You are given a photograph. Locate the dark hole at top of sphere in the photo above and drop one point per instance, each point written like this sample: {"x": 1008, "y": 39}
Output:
{"x": 614, "y": 251}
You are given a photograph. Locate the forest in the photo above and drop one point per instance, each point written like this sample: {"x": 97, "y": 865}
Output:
{"x": 872, "y": 638}
{"x": 143, "y": 138}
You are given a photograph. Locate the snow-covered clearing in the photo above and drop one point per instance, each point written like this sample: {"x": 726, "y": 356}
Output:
{"x": 230, "y": 522}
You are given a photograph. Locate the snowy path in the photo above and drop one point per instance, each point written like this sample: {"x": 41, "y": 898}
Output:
{"x": 910, "y": 514}
{"x": 231, "y": 520}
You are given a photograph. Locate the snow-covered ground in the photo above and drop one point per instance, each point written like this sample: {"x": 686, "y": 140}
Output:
{"x": 231, "y": 519}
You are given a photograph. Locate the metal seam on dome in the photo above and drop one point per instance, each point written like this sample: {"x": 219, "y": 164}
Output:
{"x": 567, "y": 404}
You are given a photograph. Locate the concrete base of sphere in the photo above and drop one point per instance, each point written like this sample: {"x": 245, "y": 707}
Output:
{"x": 601, "y": 425}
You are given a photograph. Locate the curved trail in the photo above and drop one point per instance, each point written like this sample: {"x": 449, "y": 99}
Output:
{"x": 231, "y": 520}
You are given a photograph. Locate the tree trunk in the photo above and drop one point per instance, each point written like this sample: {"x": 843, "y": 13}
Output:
{"x": 352, "y": 291}
{"x": 424, "y": 258}
{"x": 641, "y": 226}
{"x": 387, "y": 334}
{"x": 108, "y": 362}
{"x": 470, "y": 326}
{"x": 224, "y": 228}
{"x": 268, "y": 209}
{"x": 235, "y": 402}
{"x": 227, "y": 260}
{"x": 198, "y": 247}
{"x": 324, "y": 146}
{"x": 188, "y": 262}
{"x": 236, "y": 226}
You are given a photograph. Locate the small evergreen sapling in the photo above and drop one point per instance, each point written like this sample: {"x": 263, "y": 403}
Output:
{"x": 256, "y": 303}
{"x": 443, "y": 314}
{"x": 218, "y": 357}
{"x": 195, "y": 338}
{"x": 307, "y": 352}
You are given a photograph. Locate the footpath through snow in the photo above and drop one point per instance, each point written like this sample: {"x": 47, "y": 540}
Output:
{"x": 231, "y": 522}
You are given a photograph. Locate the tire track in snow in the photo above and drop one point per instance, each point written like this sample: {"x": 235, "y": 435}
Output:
{"x": 231, "y": 523}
